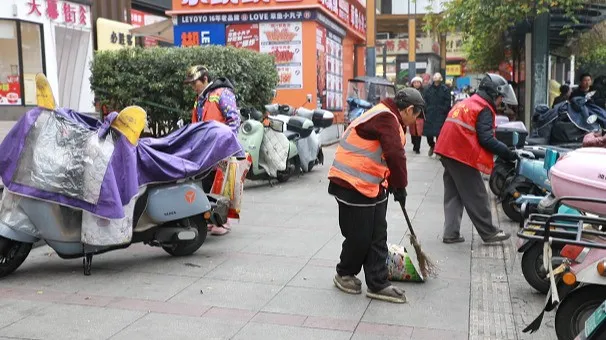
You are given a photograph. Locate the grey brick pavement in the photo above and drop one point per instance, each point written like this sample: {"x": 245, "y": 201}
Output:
{"x": 271, "y": 278}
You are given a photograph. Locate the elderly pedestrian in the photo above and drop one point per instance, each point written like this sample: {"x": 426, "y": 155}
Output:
{"x": 438, "y": 100}
{"x": 369, "y": 156}
{"x": 416, "y": 129}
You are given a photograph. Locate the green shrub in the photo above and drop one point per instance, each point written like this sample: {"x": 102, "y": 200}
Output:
{"x": 153, "y": 79}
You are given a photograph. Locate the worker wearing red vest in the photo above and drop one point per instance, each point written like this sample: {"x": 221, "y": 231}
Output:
{"x": 215, "y": 100}
{"x": 369, "y": 161}
{"x": 467, "y": 144}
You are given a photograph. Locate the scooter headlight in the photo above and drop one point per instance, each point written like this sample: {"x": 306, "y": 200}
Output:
{"x": 246, "y": 128}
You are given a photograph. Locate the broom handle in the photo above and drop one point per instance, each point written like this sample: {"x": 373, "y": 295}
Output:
{"x": 412, "y": 232}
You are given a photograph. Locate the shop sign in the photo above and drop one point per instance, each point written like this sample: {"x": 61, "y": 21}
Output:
{"x": 347, "y": 12}
{"x": 113, "y": 35}
{"x": 10, "y": 91}
{"x": 453, "y": 70}
{"x": 334, "y": 72}
{"x": 193, "y": 3}
{"x": 59, "y": 11}
{"x": 285, "y": 42}
{"x": 331, "y": 25}
{"x": 243, "y": 36}
{"x": 140, "y": 19}
{"x": 199, "y": 35}
{"x": 250, "y": 17}
{"x": 401, "y": 46}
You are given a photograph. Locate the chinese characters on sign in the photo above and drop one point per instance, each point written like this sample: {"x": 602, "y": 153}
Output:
{"x": 192, "y": 3}
{"x": 400, "y": 46}
{"x": 243, "y": 36}
{"x": 10, "y": 91}
{"x": 234, "y": 18}
{"x": 60, "y": 11}
{"x": 334, "y": 72}
{"x": 122, "y": 39}
{"x": 348, "y": 13}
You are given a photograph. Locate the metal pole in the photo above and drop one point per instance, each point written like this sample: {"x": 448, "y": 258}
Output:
{"x": 384, "y": 62}
{"x": 371, "y": 35}
{"x": 412, "y": 44}
{"x": 572, "y": 70}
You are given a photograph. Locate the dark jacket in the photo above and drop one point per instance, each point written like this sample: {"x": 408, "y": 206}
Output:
{"x": 437, "y": 105}
{"x": 559, "y": 99}
{"x": 578, "y": 92}
{"x": 383, "y": 129}
{"x": 485, "y": 132}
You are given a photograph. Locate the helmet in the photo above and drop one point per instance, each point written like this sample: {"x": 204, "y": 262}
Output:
{"x": 495, "y": 85}
{"x": 195, "y": 72}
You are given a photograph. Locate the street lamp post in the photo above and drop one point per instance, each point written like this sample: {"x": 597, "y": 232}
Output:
{"x": 412, "y": 43}
{"x": 371, "y": 35}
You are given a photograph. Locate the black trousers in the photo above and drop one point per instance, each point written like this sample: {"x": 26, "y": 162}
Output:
{"x": 431, "y": 141}
{"x": 365, "y": 232}
{"x": 416, "y": 142}
{"x": 207, "y": 182}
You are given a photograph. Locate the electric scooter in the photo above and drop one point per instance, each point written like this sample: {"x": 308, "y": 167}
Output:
{"x": 55, "y": 185}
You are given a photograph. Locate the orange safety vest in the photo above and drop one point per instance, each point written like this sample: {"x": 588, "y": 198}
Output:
{"x": 360, "y": 162}
{"x": 210, "y": 110}
{"x": 459, "y": 139}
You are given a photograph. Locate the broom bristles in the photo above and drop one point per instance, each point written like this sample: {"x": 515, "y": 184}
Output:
{"x": 427, "y": 266}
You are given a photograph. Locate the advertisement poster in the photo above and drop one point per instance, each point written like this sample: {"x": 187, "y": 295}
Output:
{"x": 334, "y": 72}
{"x": 10, "y": 91}
{"x": 243, "y": 36}
{"x": 284, "y": 42}
{"x": 321, "y": 65}
{"x": 140, "y": 19}
{"x": 199, "y": 35}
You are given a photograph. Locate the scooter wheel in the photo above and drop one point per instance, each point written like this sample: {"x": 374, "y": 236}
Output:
{"x": 496, "y": 183}
{"x": 576, "y": 307}
{"x": 190, "y": 247}
{"x": 12, "y": 255}
{"x": 533, "y": 270}
{"x": 511, "y": 209}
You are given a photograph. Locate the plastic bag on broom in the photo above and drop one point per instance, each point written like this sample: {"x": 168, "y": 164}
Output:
{"x": 229, "y": 182}
{"x": 402, "y": 265}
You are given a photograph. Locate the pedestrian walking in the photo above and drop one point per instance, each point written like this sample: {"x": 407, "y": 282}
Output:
{"x": 215, "y": 100}
{"x": 437, "y": 99}
{"x": 416, "y": 129}
{"x": 466, "y": 147}
{"x": 369, "y": 156}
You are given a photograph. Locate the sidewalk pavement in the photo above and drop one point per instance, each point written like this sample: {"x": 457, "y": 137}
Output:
{"x": 271, "y": 278}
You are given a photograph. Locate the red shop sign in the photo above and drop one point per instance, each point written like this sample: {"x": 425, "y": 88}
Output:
{"x": 347, "y": 12}
{"x": 10, "y": 92}
{"x": 243, "y": 36}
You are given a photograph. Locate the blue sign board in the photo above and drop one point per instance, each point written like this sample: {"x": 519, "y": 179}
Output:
{"x": 248, "y": 17}
{"x": 199, "y": 35}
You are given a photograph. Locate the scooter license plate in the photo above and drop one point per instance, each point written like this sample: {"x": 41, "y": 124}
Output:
{"x": 596, "y": 320}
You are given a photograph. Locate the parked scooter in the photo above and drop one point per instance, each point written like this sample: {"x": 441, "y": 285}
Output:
{"x": 283, "y": 142}
{"x": 169, "y": 208}
{"x": 578, "y": 282}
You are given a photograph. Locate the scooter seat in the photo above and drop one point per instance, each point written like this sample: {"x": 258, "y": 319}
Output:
{"x": 291, "y": 135}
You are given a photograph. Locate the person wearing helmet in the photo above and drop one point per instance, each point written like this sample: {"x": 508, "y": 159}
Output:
{"x": 215, "y": 99}
{"x": 369, "y": 155}
{"x": 416, "y": 129}
{"x": 439, "y": 100}
{"x": 466, "y": 146}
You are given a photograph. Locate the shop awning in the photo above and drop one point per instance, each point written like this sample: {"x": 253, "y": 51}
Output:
{"x": 162, "y": 30}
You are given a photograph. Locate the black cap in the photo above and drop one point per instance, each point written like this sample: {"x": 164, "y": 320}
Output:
{"x": 409, "y": 96}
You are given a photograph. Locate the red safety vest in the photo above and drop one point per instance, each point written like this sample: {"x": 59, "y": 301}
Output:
{"x": 210, "y": 110}
{"x": 459, "y": 139}
{"x": 360, "y": 162}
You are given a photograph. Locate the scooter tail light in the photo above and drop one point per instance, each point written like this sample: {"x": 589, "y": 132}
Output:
{"x": 569, "y": 278}
{"x": 602, "y": 267}
{"x": 573, "y": 252}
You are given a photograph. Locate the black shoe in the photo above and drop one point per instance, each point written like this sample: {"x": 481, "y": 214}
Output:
{"x": 417, "y": 151}
{"x": 430, "y": 152}
{"x": 450, "y": 240}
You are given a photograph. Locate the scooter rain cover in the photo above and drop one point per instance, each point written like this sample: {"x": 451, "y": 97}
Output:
{"x": 77, "y": 161}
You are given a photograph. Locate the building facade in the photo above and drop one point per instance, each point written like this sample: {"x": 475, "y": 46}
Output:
{"x": 49, "y": 36}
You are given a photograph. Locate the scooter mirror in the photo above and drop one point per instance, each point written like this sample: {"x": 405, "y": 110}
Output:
{"x": 592, "y": 119}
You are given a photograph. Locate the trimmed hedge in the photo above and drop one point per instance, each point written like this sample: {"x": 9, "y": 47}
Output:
{"x": 153, "y": 79}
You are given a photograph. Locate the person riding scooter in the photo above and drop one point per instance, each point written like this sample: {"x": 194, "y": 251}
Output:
{"x": 215, "y": 100}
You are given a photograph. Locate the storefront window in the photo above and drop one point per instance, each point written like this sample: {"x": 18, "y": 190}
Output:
{"x": 10, "y": 87}
{"x": 31, "y": 45}
{"x": 17, "y": 77}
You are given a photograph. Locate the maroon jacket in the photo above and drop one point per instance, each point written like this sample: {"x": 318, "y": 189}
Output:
{"x": 382, "y": 128}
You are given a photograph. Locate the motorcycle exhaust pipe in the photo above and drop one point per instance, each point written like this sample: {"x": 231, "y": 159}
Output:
{"x": 167, "y": 235}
